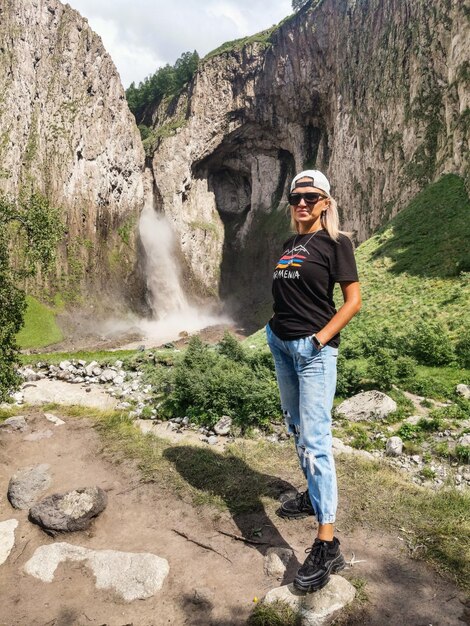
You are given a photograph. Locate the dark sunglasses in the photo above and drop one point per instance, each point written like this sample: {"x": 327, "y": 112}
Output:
{"x": 310, "y": 198}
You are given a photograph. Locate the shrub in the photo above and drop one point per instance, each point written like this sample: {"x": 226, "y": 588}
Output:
{"x": 407, "y": 432}
{"x": 431, "y": 344}
{"x": 462, "y": 453}
{"x": 382, "y": 368}
{"x": 429, "y": 425}
{"x": 405, "y": 367}
{"x": 428, "y": 386}
{"x": 209, "y": 384}
{"x": 462, "y": 349}
{"x": 231, "y": 348}
{"x": 349, "y": 379}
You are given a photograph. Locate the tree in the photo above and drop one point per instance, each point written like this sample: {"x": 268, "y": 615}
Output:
{"x": 298, "y": 4}
{"x": 30, "y": 230}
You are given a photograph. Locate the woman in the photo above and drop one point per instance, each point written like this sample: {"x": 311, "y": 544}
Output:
{"x": 303, "y": 336}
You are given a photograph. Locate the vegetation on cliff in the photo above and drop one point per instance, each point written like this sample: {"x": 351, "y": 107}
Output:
{"x": 30, "y": 229}
{"x": 167, "y": 81}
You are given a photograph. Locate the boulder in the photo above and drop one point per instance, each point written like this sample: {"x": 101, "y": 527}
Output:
{"x": 223, "y": 426}
{"x": 464, "y": 440}
{"x": 394, "y": 446}
{"x": 319, "y": 608}
{"x": 132, "y": 576}
{"x": 70, "y": 511}
{"x": 368, "y": 405}
{"x": 90, "y": 368}
{"x": 108, "y": 375}
{"x": 7, "y": 538}
{"x": 27, "y": 484}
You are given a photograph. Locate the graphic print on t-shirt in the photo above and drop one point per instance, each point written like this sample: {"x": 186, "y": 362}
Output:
{"x": 290, "y": 258}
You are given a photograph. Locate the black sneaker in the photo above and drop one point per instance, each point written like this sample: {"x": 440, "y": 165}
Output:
{"x": 298, "y": 507}
{"x": 324, "y": 558}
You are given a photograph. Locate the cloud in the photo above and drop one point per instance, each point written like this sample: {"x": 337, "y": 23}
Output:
{"x": 143, "y": 35}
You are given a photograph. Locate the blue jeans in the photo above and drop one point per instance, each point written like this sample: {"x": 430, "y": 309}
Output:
{"x": 307, "y": 383}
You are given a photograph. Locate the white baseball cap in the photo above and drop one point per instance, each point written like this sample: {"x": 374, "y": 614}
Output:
{"x": 319, "y": 180}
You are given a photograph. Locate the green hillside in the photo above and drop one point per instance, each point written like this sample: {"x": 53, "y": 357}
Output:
{"x": 418, "y": 265}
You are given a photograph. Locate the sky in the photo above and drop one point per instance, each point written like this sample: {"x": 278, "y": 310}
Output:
{"x": 143, "y": 35}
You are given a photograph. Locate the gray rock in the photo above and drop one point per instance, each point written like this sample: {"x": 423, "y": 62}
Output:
{"x": 108, "y": 375}
{"x": 118, "y": 364}
{"x": 464, "y": 440}
{"x": 212, "y": 440}
{"x": 7, "y": 538}
{"x": 131, "y": 576}
{"x": 394, "y": 446}
{"x": 368, "y": 405}
{"x": 463, "y": 390}
{"x": 17, "y": 422}
{"x": 29, "y": 374}
{"x": 223, "y": 426}
{"x": 81, "y": 362}
{"x": 341, "y": 448}
{"x": 70, "y": 511}
{"x": 37, "y": 435}
{"x": 27, "y": 484}
{"x": 89, "y": 369}
{"x": 145, "y": 426}
{"x": 18, "y": 397}
{"x": 413, "y": 419}
{"x": 97, "y": 371}
{"x": 55, "y": 420}
{"x": 319, "y": 608}
{"x": 64, "y": 365}
{"x": 118, "y": 380}
{"x": 276, "y": 561}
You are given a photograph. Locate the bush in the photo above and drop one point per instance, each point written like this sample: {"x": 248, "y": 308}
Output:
{"x": 407, "y": 432}
{"x": 349, "y": 379}
{"x": 405, "y": 367}
{"x": 382, "y": 368}
{"x": 429, "y": 386}
{"x": 209, "y": 384}
{"x": 462, "y": 349}
{"x": 430, "y": 425}
{"x": 462, "y": 453}
{"x": 431, "y": 343}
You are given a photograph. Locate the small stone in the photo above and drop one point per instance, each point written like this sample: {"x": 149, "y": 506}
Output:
{"x": 464, "y": 440}
{"x": 118, "y": 380}
{"x": 108, "y": 375}
{"x": 29, "y": 374}
{"x": 212, "y": 440}
{"x": 276, "y": 561}
{"x": 17, "y": 422}
{"x": 27, "y": 484}
{"x": 394, "y": 446}
{"x": 185, "y": 421}
{"x": 81, "y": 362}
{"x": 89, "y": 369}
{"x": 223, "y": 426}
{"x": 118, "y": 364}
{"x": 55, "y": 420}
{"x": 463, "y": 390}
{"x": 416, "y": 459}
{"x": 64, "y": 365}
{"x": 97, "y": 371}
{"x": 18, "y": 397}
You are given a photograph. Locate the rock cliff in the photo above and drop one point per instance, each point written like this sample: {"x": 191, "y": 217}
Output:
{"x": 65, "y": 130}
{"x": 373, "y": 92}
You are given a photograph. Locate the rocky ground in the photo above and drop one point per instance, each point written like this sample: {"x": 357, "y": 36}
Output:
{"x": 112, "y": 386}
{"x": 204, "y": 577}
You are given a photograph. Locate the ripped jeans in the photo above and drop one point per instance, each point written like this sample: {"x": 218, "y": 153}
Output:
{"x": 307, "y": 383}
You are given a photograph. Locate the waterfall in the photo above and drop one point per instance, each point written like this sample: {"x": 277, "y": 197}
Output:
{"x": 162, "y": 269}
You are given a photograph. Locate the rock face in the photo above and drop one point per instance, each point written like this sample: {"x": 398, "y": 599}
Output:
{"x": 66, "y": 129}
{"x": 373, "y": 93}
{"x": 70, "y": 511}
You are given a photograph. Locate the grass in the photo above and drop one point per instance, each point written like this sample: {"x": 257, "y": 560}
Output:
{"x": 410, "y": 270}
{"x": 40, "y": 327}
{"x": 278, "y": 613}
{"x": 250, "y": 475}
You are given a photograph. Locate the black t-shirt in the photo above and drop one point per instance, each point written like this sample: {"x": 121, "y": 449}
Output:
{"x": 303, "y": 283}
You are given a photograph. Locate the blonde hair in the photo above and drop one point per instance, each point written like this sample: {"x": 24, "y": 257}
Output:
{"x": 329, "y": 220}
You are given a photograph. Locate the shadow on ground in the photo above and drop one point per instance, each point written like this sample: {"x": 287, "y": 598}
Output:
{"x": 241, "y": 488}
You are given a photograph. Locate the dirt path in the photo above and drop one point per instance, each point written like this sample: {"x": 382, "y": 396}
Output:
{"x": 141, "y": 518}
